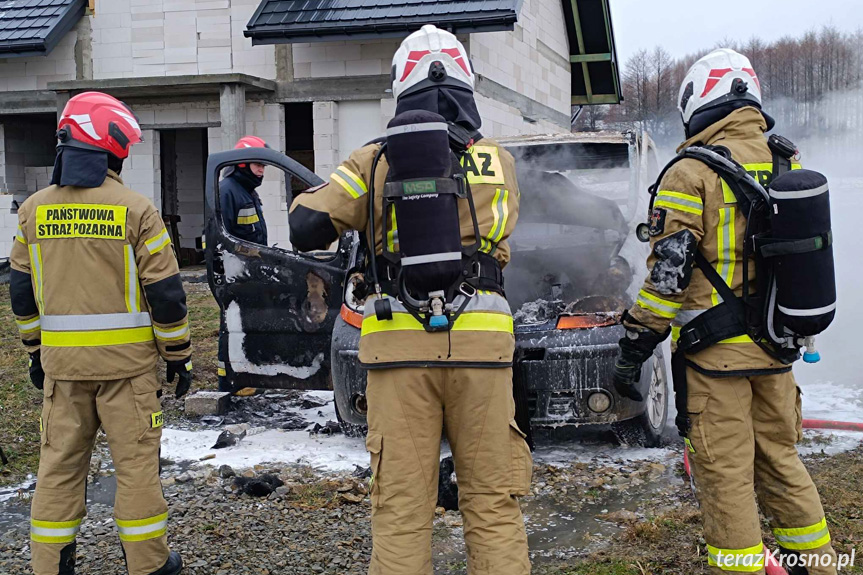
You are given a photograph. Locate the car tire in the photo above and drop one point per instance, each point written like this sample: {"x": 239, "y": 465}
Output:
{"x": 350, "y": 429}
{"x": 646, "y": 430}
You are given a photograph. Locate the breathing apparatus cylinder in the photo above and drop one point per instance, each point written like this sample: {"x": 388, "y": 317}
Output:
{"x": 804, "y": 286}
{"x": 424, "y": 195}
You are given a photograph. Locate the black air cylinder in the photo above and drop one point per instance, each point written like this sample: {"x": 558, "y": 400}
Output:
{"x": 805, "y": 282}
{"x": 421, "y": 168}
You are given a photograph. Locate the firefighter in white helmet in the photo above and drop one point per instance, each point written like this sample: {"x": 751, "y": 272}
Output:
{"x": 738, "y": 404}
{"x": 421, "y": 381}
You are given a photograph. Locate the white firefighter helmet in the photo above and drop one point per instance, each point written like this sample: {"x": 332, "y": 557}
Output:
{"x": 720, "y": 77}
{"x": 429, "y": 58}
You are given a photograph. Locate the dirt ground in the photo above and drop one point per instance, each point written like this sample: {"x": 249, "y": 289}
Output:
{"x": 641, "y": 516}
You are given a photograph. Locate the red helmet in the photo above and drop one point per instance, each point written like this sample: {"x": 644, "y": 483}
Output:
{"x": 250, "y": 142}
{"x": 97, "y": 121}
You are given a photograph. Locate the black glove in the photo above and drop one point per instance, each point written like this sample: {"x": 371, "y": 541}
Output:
{"x": 37, "y": 376}
{"x": 183, "y": 368}
{"x": 635, "y": 349}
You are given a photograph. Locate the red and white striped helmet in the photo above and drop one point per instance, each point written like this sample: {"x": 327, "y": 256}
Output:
{"x": 720, "y": 77}
{"x": 97, "y": 121}
{"x": 431, "y": 58}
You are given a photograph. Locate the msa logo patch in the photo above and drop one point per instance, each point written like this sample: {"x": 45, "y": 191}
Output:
{"x": 157, "y": 419}
{"x": 420, "y": 187}
{"x": 482, "y": 165}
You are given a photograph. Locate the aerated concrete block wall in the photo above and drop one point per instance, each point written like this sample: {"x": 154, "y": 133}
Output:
{"x": 34, "y": 73}
{"x": 133, "y": 38}
{"x": 338, "y": 59}
{"x": 533, "y": 59}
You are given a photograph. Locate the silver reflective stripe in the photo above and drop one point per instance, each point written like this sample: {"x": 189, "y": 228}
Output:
{"x": 247, "y": 212}
{"x": 143, "y": 529}
{"x": 431, "y": 258}
{"x": 807, "y": 312}
{"x": 808, "y": 538}
{"x": 222, "y": 364}
{"x": 687, "y": 315}
{"x": 95, "y": 322}
{"x": 799, "y": 194}
{"x": 171, "y": 334}
{"x": 54, "y": 531}
{"x": 29, "y": 325}
{"x": 358, "y": 189}
{"x": 428, "y": 127}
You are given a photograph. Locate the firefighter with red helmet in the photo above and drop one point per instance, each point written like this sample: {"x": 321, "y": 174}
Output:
{"x": 239, "y": 200}
{"x": 243, "y": 216}
{"x": 98, "y": 299}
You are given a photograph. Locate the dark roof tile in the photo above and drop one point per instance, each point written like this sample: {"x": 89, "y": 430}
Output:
{"x": 34, "y": 27}
{"x": 284, "y": 21}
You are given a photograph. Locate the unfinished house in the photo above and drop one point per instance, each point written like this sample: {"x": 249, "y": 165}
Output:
{"x": 311, "y": 78}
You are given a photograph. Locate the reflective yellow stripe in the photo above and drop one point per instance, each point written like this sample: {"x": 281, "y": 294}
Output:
{"x": 662, "y": 307}
{"x": 393, "y": 233}
{"x": 749, "y": 560}
{"x": 19, "y": 235}
{"x": 54, "y": 531}
{"x": 803, "y": 538}
{"x": 36, "y": 267}
{"x": 157, "y": 244}
{"x": 679, "y": 201}
{"x": 500, "y": 208}
{"x": 248, "y": 220}
{"x": 221, "y": 372}
{"x": 726, "y": 249}
{"x": 352, "y": 183}
{"x": 142, "y": 529}
{"x": 97, "y": 338}
{"x": 133, "y": 287}
{"x": 471, "y": 321}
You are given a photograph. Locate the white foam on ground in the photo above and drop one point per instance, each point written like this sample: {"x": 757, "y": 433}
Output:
{"x": 7, "y": 493}
{"x": 330, "y": 453}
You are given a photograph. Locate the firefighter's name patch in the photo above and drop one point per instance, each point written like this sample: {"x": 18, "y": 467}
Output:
{"x": 157, "y": 419}
{"x": 482, "y": 165}
{"x": 81, "y": 221}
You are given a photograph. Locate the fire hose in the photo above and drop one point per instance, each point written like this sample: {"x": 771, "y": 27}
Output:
{"x": 771, "y": 565}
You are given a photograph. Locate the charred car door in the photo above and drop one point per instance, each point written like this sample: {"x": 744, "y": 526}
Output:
{"x": 277, "y": 307}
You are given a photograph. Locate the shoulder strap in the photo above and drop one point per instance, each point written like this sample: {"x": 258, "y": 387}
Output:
{"x": 728, "y": 295}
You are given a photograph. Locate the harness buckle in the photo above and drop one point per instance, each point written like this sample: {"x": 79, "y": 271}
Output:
{"x": 466, "y": 293}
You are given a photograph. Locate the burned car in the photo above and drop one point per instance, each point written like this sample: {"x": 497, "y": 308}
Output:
{"x": 290, "y": 319}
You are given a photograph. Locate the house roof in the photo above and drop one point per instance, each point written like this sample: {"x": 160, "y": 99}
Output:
{"x": 35, "y": 27}
{"x": 287, "y": 21}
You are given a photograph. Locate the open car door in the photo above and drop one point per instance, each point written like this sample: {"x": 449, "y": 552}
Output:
{"x": 277, "y": 307}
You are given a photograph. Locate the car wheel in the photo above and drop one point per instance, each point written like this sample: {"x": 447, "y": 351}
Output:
{"x": 646, "y": 429}
{"x": 350, "y": 429}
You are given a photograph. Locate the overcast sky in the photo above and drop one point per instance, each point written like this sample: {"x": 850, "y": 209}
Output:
{"x": 686, "y": 26}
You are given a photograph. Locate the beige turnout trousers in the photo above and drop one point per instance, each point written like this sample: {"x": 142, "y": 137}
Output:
{"x": 744, "y": 431}
{"x": 130, "y": 412}
{"x": 408, "y": 407}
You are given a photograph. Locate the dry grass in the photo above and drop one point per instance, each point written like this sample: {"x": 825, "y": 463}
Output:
{"x": 20, "y": 402}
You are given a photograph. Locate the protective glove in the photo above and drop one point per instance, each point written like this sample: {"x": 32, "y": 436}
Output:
{"x": 635, "y": 349}
{"x": 37, "y": 376}
{"x": 183, "y": 368}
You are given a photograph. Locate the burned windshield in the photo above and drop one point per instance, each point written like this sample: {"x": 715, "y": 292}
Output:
{"x": 565, "y": 246}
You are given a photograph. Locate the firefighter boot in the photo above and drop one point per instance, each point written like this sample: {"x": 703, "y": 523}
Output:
{"x": 172, "y": 566}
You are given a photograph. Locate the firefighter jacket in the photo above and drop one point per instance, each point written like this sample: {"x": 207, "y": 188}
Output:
{"x": 241, "y": 208}
{"x": 95, "y": 283}
{"x": 483, "y": 334}
{"x": 695, "y": 209}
